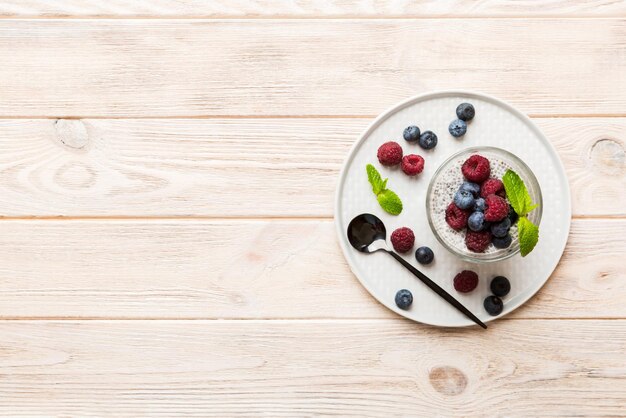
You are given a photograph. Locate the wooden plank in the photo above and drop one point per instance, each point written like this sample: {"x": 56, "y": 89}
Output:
{"x": 311, "y": 368}
{"x": 239, "y": 167}
{"x": 309, "y": 8}
{"x": 126, "y": 68}
{"x": 248, "y": 269}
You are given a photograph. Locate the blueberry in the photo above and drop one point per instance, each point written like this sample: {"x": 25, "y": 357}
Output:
{"x": 500, "y": 286}
{"x": 493, "y": 305}
{"x": 471, "y": 187}
{"x": 476, "y": 221}
{"x": 411, "y": 133}
{"x": 504, "y": 242}
{"x": 428, "y": 140}
{"x": 501, "y": 229}
{"x": 513, "y": 217}
{"x": 479, "y": 205}
{"x": 424, "y": 255}
{"x": 464, "y": 199}
{"x": 465, "y": 112}
{"x": 404, "y": 299}
{"x": 486, "y": 226}
{"x": 457, "y": 128}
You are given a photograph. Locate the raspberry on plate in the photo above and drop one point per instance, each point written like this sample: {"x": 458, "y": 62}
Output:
{"x": 491, "y": 186}
{"x": 456, "y": 217}
{"x": 402, "y": 240}
{"x": 465, "y": 281}
{"x": 390, "y": 153}
{"x": 496, "y": 208}
{"x": 477, "y": 241}
{"x": 476, "y": 168}
{"x": 412, "y": 164}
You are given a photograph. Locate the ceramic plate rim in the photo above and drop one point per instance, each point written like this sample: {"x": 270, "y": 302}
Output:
{"x": 390, "y": 112}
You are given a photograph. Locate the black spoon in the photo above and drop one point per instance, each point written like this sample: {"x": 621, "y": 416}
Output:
{"x": 367, "y": 234}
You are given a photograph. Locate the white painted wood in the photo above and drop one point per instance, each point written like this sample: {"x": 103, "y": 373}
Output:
{"x": 249, "y": 269}
{"x": 239, "y": 167}
{"x": 126, "y": 68}
{"x": 309, "y": 8}
{"x": 311, "y": 368}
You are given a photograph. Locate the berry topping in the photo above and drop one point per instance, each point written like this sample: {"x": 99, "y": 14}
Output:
{"x": 464, "y": 199}
{"x": 471, "y": 187}
{"x": 424, "y": 255}
{"x": 500, "y": 229}
{"x": 496, "y": 208}
{"x": 404, "y": 299}
{"x": 504, "y": 242}
{"x": 412, "y": 164}
{"x": 457, "y": 128}
{"x": 465, "y": 281}
{"x": 512, "y": 215}
{"x": 479, "y": 205}
{"x": 491, "y": 186}
{"x": 477, "y": 241}
{"x": 500, "y": 286}
{"x": 390, "y": 153}
{"x": 493, "y": 305}
{"x": 465, "y": 111}
{"x": 411, "y": 133}
{"x": 476, "y": 221}
{"x": 476, "y": 168}
{"x": 456, "y": 217}
{"x": 428, "y": 140}
{"x": 402, "y": 240}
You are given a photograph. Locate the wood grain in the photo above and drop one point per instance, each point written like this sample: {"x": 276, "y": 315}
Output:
{"x": 239, "y": 167}
{"x": 248, "y": 269}
{"x": 312, "y": 368}
{"x": 130, "y": 68}
{"x": 310, "y": 8}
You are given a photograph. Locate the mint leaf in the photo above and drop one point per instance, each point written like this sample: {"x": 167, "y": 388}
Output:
{"x": 373, "y": 176}
{"x": 528, "y": 235}
{"x": 390, "y": 202}
{"x": 517, "y": 193}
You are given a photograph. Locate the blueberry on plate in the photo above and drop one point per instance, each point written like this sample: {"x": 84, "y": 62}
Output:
{"x": 476, "y": 221}
{"x": 501, "y": 229}
{"x": 428, "y": 140}
{"x": 404, "y": 299}
{"x": 502, "y": 243}
{"x": 411, "y": 133}
{"x": 465, "y": 112}
{"x": 493, "y": 305}
{"x": 471, "y": 187}
{"x": 479, "y": 205}
{"x": 457, "y": 128}
{"x": 424, "y": 255}
{"x": 500, "y": 286}
{"x": 464, "y": 199}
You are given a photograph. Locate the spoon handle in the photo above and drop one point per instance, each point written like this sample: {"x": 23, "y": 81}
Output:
{"x": 434, "y": 286}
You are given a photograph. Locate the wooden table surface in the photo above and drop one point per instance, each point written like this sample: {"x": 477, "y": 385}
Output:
{"x": 167, "y": 171}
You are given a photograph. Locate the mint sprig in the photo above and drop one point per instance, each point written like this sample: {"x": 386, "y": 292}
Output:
{"x": 522, "y": 204}
{"x": 388, "y": 200}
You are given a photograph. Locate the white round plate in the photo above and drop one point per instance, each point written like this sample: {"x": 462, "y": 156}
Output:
{"x": 495, "y": 124}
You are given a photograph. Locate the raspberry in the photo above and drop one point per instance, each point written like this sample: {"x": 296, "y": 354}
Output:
{"x": 402, "y": 240}
{"x": 477, "y": 241}
{"x": 476, "y": 168}
{"x": 390, "y": 153}
{"x": 412, "y": 164}
{"x": 491, "y": 186}
{"x": 456, "y": 217}
{"x": 465, "y": 281}
{"x": 496, "y": 208}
